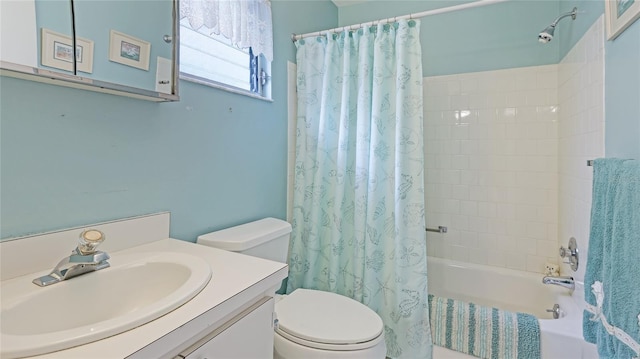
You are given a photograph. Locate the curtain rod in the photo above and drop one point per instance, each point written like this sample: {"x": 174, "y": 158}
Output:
{"x": 443, "y": 10}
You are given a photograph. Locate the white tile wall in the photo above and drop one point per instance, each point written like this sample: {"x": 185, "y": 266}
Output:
{"x": 506, "y": 156}
{"x": 491, "y": 147}
{"x": 581, "y": 136}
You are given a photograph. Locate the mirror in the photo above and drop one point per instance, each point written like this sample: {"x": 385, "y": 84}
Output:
{"x": 125, "y": 48}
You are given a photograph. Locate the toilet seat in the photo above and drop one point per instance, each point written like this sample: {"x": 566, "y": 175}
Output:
{"x": 328, "y": 321}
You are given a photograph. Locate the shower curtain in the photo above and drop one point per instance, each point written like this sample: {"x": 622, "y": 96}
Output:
{"x": 358, "y": 204}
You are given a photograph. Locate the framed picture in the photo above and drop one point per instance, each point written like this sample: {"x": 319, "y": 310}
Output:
{"x": 56, "y": 51}
{"x": 128, "y": 50}
{"x": 619, "y": 14}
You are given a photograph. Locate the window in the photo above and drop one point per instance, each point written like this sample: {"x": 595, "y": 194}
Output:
{"x": 227, "y": 44}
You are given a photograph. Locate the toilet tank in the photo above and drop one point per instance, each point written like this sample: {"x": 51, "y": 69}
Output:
{"x": 266, "y": 238}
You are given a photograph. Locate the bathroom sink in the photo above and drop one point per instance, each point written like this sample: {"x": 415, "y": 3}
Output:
{"x": 136, "y": 289}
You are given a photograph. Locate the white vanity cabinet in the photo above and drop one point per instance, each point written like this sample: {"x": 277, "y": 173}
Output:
{"x": 247, "y": 335}
{"x": 231, "y": 317}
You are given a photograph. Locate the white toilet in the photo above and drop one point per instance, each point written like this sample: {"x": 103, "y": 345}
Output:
{"x": 312, "y": 324}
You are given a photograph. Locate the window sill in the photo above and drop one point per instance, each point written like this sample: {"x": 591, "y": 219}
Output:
{"x": 217, "y": 85}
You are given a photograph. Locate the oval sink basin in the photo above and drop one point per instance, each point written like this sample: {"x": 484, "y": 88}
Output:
{"x": 136, "y": 289}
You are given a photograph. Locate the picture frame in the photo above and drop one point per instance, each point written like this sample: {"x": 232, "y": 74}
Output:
{"x": 128, "y": 50}
{"x": 56, "y": 51}
{"x": 620, "y": 14}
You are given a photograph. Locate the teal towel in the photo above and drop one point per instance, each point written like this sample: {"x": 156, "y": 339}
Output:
{"x": 484, "y": 332}
{"x": 612, "y": 278}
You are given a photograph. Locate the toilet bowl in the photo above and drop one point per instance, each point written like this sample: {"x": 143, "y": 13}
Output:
{"x": 317, "y": 324}
{"x": 312, "y": 324}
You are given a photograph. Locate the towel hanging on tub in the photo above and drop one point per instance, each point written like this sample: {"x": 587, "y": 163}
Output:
{"x": 612, "y": 278}
{"x": 483, "y": 332}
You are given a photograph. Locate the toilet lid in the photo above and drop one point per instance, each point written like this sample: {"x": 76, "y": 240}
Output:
{"x": 327, "y": 318}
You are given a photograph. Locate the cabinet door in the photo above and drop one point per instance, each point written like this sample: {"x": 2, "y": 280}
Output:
{"x": 22, "y": 24}
{"x": 125, "y": 48}
{"x": 248, "y": 335}
{"x": 18, "y": 32}
{"x": 129, "y": 38}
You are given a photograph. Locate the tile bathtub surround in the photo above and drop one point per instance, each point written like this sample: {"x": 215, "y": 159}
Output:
{"x": 506, "y": 156}
{"x": 581, "y": 137}
{"x": 491, "y": 162}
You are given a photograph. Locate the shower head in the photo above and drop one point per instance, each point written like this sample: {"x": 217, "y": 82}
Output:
{"x": 547, "y": 34}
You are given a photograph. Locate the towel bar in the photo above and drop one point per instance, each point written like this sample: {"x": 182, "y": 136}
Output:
{"x": 440, "y": 229}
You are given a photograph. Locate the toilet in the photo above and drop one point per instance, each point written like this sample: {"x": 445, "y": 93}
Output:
{"x": 312, "y": 324}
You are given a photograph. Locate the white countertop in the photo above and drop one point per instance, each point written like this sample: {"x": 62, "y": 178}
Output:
{"x": 236, "y": 281}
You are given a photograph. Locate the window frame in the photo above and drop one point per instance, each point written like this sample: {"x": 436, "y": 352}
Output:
{"x": 263, "y": 65}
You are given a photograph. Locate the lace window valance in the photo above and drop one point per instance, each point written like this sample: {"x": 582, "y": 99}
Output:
{"x": 247, "y": 23}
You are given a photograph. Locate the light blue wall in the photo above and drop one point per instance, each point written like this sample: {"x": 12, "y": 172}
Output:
{"x": 214, "y": 159}
{"x": 569, "y": 32}
{"x": 53, "y": 15}
{"x": 622, "y": 78}
{"x": 492, "y": 37}
{"x": 71, "y": 157}
{"x": 622, "y": 94}
{"x": 504, "y": 36}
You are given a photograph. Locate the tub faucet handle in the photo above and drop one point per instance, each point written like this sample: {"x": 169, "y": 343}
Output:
{"x": 571, "y": 253}
{"x": 555, "y": 311}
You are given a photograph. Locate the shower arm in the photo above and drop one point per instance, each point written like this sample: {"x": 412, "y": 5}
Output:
{"x": 573, "y": 13}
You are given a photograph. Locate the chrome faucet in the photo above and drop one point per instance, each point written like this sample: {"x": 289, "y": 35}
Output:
{"x": 566, "y": 282}
{"x": 85, "y": 258}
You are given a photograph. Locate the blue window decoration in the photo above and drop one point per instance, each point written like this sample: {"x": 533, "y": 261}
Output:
{"x": 253, "y": 76}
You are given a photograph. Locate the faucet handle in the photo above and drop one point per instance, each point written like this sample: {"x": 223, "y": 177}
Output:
{"x": 564, "y": 252}
{"x": 571, "y": 253}
{"x": 89, "y": 240}
{"x": 555, "y": 311}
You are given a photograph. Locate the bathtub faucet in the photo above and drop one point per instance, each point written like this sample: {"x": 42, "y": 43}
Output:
{"x": 566, "y": 282}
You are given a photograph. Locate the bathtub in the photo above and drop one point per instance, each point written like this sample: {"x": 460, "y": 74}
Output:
{"x": 518, "y": 291}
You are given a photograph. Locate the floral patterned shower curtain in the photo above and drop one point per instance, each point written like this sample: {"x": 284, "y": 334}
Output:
{"x": 358, "y": 217}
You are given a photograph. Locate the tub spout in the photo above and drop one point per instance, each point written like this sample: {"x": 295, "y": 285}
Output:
{"x": 566, "y": 282}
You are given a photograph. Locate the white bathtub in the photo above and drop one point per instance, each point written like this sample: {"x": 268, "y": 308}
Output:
{"x": 514, "y": 291}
